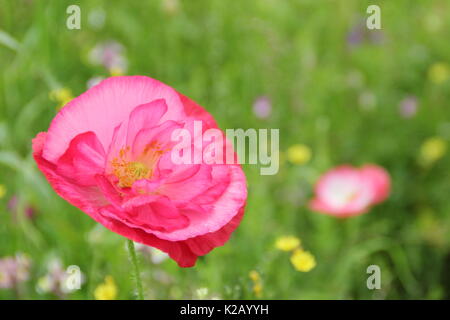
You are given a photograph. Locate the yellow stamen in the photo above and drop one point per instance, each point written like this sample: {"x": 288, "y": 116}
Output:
{"x": 352, "y": 196}
{"x": 129, "y": 170}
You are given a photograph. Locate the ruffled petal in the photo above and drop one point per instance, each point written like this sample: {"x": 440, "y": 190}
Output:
{"x": 187, "y": 189}
{"x": 144, "y": 116}
{"x": 177, "y": 250}
{"x": 103, "y": 107}
{"x": 197, "y": 112}
{"x": 154, "y": 139}
{"x": 185, "y": 253}
{"x": 223, "y": 210}
{"x": 83, "y": 160}
{"x": 88, "y": 199}
{"x": 203, "y": 244}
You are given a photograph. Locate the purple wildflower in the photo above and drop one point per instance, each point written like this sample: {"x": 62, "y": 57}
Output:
{"x": 408, "y": 107}
{"x": 262, "y": 107}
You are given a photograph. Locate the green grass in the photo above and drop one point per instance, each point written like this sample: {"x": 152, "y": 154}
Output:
{"x": 224, "y": 54}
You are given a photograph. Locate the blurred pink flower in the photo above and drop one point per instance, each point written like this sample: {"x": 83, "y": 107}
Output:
{"x": 56, "y": 280}
{"x": 262, "y": 107}
{"x": 13, "y": 208}
{"x": 14, "y": 270}
{"x": 408, "y": 107}
{"x": 347, "y": 191}
{"x": 109, "y": 54}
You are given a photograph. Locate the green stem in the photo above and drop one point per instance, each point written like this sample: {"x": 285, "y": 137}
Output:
{"x": 137, "y": 275}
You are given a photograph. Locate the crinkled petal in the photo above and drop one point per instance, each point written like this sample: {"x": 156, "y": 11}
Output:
{"x": 155, "y": 139}
{"x": 222, "y": 212}
{"x": 83, "y": 160}
{"x": 185, "y": 253}
{"x": 144, "y": 116}
{"x": 184, "y": 190}
{"x": 88, "y": 199}
{"x": 197, "y": 112}
{"x": 103, "y": 107}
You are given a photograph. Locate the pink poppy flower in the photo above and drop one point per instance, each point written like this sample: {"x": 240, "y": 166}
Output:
{"x": 107, "y": 152}
{"x": 347, "y": 191}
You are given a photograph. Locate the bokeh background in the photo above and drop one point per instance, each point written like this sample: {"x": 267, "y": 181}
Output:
{"x": 338, "y": 92}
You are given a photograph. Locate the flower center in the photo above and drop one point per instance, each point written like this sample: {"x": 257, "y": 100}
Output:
{"x": 351, "y": 196}
{"x": 128, "y": 171}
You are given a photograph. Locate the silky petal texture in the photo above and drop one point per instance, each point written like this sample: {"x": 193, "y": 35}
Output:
{"x": 145, "y": 186}
{"x": 184, "y": 210}
{"x": 161, "y": 133}
{"x": 143, "y": 117}
{"x": 83, "y": 160}
{"x": 154, "y": 213}
{"x": 103, "y": 107}
{"x": 88, "y": 199}
{"x": 109, "y": 191}
{"x": 197, "y": 112}
{"x": 224, "y": 205}
{"x": 179, "y": 189}
{"x": 346, "y": 191}
{"x": 222, "y": 211}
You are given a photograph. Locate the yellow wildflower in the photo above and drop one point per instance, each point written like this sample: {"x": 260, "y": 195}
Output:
{"x": 257, "y": 289}
{"x": 62, "y": 96}
{"x": 287, "y": 243}
{"x": 44, "y": 284}
{"x": 106, "y": 290}
{"x": 432, "y": 150}
{"x": 116, "y": 71}
{"x": 299, "y": 154}
{"x": 170, "y": 6}
{"x": 257, "y": 284}
{"x": 254, "y": 275}
{"x": 439, "y": 72}
{"x": 2, "y": 191}
{"x": 303, "y": 261}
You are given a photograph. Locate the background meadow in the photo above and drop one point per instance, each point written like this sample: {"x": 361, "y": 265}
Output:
{"x": 338, "y": 92}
